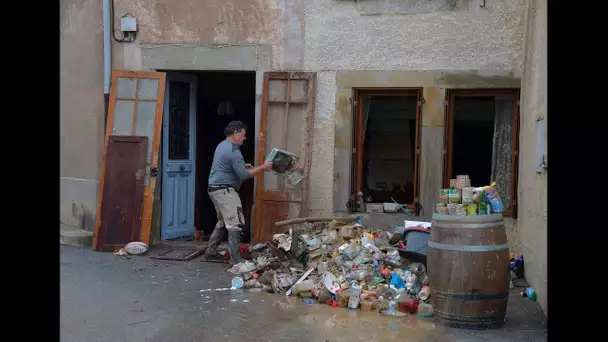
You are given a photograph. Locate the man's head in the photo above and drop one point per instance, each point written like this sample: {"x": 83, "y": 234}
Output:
{"x": 236, "y": 132}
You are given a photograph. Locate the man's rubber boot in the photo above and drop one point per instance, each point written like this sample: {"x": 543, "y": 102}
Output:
{"x": 211, "y": 253}
{"x": 234, "y": 246}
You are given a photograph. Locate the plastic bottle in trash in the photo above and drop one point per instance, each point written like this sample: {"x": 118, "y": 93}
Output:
{"x": 237, "y": 283}
{"x": 529, "y": 293}
{"x": 355, "y": 296}
{"x": 392, "y": 306}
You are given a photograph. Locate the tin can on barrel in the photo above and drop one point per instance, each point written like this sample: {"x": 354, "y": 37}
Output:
{"x": 441, "y": 209}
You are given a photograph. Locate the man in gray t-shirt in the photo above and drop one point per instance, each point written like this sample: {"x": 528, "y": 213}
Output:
{"x": 228, "y": 170}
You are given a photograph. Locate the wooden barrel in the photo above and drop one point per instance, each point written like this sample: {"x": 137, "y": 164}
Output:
{"x": 468, "y": 269}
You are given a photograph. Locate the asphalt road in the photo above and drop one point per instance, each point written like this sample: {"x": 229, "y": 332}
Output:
{"x": 107, "y": 298}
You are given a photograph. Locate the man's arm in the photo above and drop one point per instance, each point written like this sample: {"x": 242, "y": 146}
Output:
{"x": 243, "y": 172}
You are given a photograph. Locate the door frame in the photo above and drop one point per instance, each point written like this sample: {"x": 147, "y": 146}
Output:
{"x": 193, "y": 79}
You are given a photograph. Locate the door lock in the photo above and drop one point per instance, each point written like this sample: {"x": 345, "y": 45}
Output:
{"x": 182, "y": 168}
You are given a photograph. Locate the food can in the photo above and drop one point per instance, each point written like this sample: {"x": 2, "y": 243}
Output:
{"x": 463, "y": 181}
{"x": 454, "y": 196}
{"x": 443, "y": 196}
{"x": 471, "y": 209}
{"x": 451, "y": 207}
{"x": 459, "y": 208}
{"x": 441, "y": 209}
{"x": 468, "y": 195}
{"x": 453, "y": 183}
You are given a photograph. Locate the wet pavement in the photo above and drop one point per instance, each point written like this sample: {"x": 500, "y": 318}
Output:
{"x": 107, "y": 298}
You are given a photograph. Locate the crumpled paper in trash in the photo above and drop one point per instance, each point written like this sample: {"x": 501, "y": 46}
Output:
{"x": 283, "y": 240}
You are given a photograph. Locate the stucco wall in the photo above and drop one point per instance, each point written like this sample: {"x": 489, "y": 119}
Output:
{"x": 81, "y": 110}
{"x": 439, "y": 45}
{"x": 532, "y": 221}
{"x": 414, "y": 45}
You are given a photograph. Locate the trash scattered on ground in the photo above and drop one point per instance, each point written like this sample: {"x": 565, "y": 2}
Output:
{"x": 340, "y": 263}
{"x": 122, "y": 253}
{"x": 529, "y": 293}
{"x": 136, "y": 248}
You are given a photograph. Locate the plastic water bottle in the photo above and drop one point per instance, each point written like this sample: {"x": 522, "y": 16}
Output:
{"x": 237, "y": 283}
{"x": 355, "y": 296}
{"x": 392, "y": 306}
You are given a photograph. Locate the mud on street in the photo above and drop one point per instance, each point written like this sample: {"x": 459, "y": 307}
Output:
{"x": 107, "y": 298}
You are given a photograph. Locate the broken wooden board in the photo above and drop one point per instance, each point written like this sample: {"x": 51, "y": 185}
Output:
{"x": 179, "y": 254}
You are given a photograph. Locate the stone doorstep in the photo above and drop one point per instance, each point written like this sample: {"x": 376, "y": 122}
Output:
{"x": 73, "y": 236}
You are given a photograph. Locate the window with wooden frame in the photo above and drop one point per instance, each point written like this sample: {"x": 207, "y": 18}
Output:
{"x": 481, "y": 140}
{"x": 386, "y": 153}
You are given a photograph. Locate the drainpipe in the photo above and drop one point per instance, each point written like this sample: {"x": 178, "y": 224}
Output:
{"x": 107, "y": 57}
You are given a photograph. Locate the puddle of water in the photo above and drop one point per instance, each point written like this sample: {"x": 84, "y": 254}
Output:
{"x": 341, "y": 324}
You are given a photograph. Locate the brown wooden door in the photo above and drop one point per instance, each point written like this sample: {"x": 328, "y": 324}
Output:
{"x": 123, "y": 192}
{"x": 287, "y": 119}
{"x": 135, "y": 109}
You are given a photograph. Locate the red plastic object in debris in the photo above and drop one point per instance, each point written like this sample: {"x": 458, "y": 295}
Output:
{"x": 401, "y": 245}
{"x": 409, "y": 305}
{"x": 332, "y": 303}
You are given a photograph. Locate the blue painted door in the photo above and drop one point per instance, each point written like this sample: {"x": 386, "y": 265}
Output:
{"x": 179, "y": 156}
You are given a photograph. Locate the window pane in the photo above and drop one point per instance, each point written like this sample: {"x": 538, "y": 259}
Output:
{"x": 179, "y": 120}
{"x": 123, "y": 117}
{"x": 144, "y": 123}
{"x": 125, "y": 88}
{"x": 147, "y": 89}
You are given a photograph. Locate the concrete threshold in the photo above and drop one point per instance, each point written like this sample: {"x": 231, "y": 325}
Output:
{"x": 74, "y": 236}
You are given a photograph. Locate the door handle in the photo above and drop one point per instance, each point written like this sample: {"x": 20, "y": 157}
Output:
{"x": 154, "y": 171}
{"x": 182, "y": 168}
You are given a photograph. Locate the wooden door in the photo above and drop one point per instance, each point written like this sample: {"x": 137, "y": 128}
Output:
{"x": 179, "y": 157}
{"x": 123, "y": 192}
{"x": 287, "y": 119}
{"x": 135, "y": 109}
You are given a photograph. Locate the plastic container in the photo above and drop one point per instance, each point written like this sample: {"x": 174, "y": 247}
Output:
{"x": 355, "y": 296}
{"x": 366, "y": 305}
{"x": 529, "y": 293}
{"x": 237, "y": 283}
{"x": 392, "y": 307}
{"x": 305, "y": 286}
{"x": 417, "y": 240}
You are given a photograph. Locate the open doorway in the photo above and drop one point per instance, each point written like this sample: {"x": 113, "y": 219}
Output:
{"x": 198, "y": 106}
{"x": 481, "y": 140}
{"x": 223, "y": 97}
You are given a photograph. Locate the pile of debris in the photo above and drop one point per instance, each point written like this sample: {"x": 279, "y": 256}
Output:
{"x": 341, "y": 263}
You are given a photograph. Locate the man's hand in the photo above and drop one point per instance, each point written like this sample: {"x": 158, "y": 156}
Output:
{"x": 248, "y": 166}
{"x": 267, "y": 166}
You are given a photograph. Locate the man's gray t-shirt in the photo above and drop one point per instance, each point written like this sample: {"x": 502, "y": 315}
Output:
{"x": 228, "y": 167}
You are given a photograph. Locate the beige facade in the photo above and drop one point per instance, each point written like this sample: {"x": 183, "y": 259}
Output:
{"x": 439, "y": 45}
{"x": 82, "y": 110}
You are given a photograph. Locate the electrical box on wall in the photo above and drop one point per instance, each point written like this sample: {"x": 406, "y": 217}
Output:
{"x": 128, "y": 23}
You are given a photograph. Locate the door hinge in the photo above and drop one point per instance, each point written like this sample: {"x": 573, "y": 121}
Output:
{"x": 354, "y": 150}
{"x": 421, "y": 101}
{"x": 353, "y": 103}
